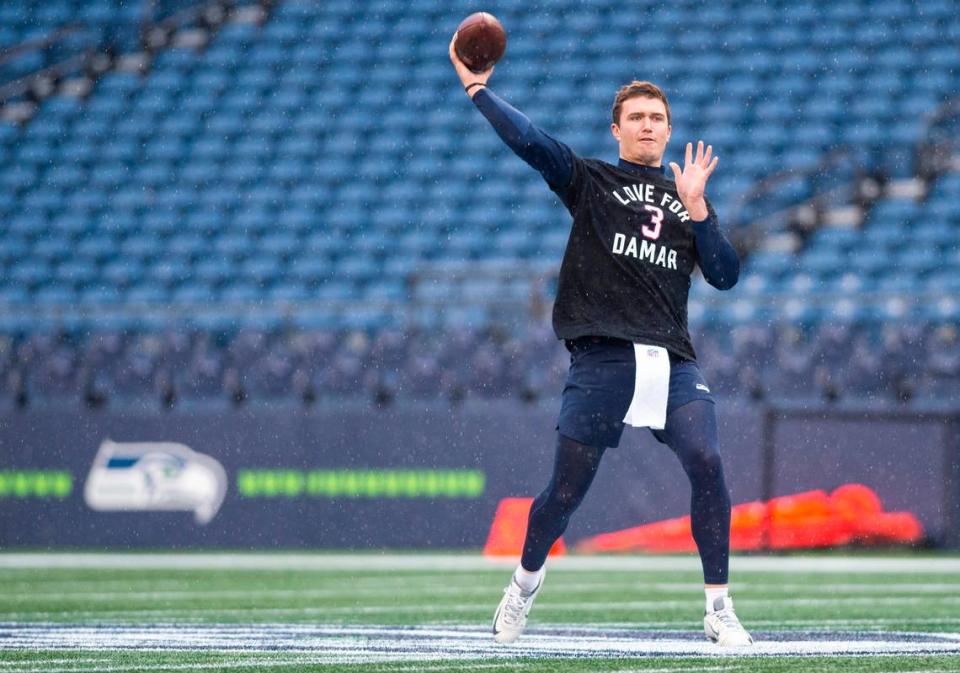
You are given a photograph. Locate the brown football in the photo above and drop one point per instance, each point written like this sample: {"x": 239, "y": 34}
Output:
{"x": 481, "y": 41}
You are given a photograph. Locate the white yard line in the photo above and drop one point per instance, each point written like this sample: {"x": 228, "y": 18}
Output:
{"x": 744, "y": 590}
{"x": 346, "y": 592}
{"x": 452, "y": 562}
{"x": 422, "y": 665}
{"x": 373, "y": 644}
{"x": 15, "y": 665}
{"x": 229, "y": 663}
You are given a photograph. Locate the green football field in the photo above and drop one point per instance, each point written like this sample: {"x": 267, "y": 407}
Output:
{"x": 371, "y": 612}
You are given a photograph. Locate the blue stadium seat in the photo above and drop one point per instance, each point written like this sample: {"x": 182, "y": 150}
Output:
{"x": 289, "y": 291}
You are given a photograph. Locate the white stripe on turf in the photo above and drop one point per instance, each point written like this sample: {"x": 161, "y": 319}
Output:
{"x": 220, "y": 665}
{"x": 15, "y": 665}
{"x": 422, "y": 666}
{"x": 369, "y": 644}
{"x": 452, "y": 562}
{"x": 743, "y": 589}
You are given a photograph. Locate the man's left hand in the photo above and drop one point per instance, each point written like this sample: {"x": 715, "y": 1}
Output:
{"x": 692, "y": 181}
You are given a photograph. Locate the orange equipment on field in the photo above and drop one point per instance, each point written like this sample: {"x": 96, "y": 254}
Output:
{"x": 852, "y": 514}
{"x": 510, "y": 527}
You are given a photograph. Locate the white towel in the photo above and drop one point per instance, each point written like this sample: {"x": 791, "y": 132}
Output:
{"x": 651, "y": 388}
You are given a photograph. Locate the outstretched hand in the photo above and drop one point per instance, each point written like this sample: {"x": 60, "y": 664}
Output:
{"x": 692, "y": 181}
{"x": 466, "y": 75}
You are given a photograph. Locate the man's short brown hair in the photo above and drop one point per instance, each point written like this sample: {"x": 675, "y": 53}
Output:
{"x": 634, "y": 89}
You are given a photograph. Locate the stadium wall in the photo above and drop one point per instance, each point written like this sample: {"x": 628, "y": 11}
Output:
{"x": 406, "y": 477}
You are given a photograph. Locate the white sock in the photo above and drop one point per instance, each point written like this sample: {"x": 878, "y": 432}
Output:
{"x": 527, "y": 580}
{"x": 713, "y": 593}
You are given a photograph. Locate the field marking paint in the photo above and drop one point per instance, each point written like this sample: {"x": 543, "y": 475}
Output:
{"x": 744, "y": 591}
{"x": 244, "y": 663}
{"x": 847, "y": 624}
{"x": 350, "y": 592}
{"x": 378, "y": 644}
{"x": 15, "y": 665}
{"x": 453, "y": 562}
{"x": 230, "y": 663}
{"x": 130, "y": 617}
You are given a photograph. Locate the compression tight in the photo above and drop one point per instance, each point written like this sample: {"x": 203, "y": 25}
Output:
{"x": 691, "y": 432}
{"x": 574, "y": 467}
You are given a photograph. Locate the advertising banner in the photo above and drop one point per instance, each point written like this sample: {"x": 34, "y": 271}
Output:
{"x": 360, "y": 477}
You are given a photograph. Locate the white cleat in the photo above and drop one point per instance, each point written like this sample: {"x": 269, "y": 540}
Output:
{"x": 723, "y": 627}
{"x": 511, "y": 615}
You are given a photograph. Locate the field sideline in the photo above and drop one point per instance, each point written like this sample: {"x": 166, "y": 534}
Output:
{"x": 73, "y": 613}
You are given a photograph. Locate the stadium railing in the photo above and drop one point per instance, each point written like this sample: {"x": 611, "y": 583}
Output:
{"x": 74, "y": 50}
{"x": 837, "y": 179}
{"x": 68, "y": 50}
{"x": 939, "y": 150}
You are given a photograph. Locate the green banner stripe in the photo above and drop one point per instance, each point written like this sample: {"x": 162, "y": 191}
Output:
{"x": 35, "y": 484}
{"x": 401, "y": 484}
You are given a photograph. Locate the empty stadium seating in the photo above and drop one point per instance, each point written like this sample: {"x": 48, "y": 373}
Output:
{"x": 892, "y": 364}
{"x": 321, "y": 174}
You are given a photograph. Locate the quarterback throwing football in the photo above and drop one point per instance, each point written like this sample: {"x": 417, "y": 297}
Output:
{"x": 621, "y": 310}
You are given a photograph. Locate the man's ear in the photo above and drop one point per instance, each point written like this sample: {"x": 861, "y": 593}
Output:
{"x": 615, "y": 130}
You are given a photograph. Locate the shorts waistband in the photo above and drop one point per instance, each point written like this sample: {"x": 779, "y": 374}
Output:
{"x": 588, "y": 341}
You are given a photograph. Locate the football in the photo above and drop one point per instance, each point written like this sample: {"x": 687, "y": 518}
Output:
{"x": 481, "y": 41}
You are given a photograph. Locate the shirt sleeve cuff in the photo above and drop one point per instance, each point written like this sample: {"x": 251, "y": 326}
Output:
{"x": 480, "y": 95}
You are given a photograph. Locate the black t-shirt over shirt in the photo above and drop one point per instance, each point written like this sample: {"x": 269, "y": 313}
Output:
{"x": 626, "y": 269}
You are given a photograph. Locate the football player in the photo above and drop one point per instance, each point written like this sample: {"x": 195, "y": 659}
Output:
{"x": 621, "y": 309}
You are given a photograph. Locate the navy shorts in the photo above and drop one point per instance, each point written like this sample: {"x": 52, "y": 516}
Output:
{"x": 600, "y": 384}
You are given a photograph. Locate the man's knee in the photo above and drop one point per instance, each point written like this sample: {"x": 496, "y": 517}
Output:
{"x": 705, "y": 461}
{"x": 567, "y": 498}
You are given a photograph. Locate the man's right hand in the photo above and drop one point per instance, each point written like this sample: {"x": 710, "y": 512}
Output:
{"x": 466, "y": 75}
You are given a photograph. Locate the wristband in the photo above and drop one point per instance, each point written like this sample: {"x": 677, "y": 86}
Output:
{"x": 470, "y": 86}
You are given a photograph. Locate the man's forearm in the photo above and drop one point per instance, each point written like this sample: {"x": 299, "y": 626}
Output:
{"x": 717, "y": 256}
{"x": 548, "y": 156}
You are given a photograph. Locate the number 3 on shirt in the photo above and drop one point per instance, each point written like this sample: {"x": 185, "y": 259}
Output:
{"x": 656, "y": 219}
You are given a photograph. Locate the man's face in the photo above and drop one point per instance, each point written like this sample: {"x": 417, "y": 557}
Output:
{"x": 643, "y": 131}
